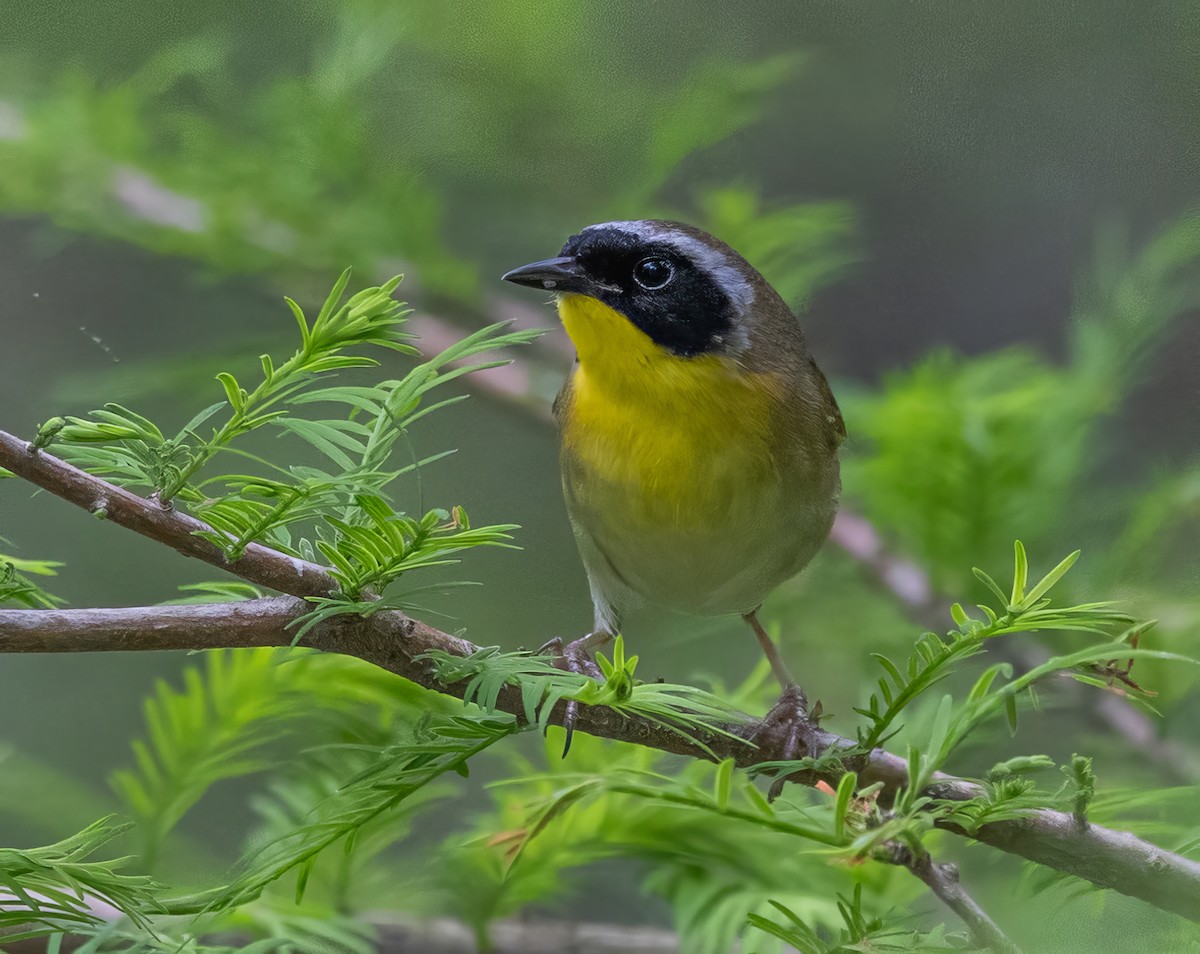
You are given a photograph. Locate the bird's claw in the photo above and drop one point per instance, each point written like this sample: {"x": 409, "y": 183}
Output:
{"x": 573, "y": 657}
{"x": 789, "y": 731}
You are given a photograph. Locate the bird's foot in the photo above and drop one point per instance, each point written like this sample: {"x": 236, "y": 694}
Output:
{"x": 574, "y": 657}
{"x": 790, "y": 731}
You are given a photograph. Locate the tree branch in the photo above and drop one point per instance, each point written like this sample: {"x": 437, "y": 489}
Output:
{"x": 394, "y": 641}
{"x": 259, "y": 564}
{"x": 943, "y": 881}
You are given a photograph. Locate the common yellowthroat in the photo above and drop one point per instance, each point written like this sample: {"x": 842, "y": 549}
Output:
{"x": 699, "y": 439}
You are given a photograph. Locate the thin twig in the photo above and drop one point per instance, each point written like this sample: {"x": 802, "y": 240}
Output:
{"x": 943, "y": 881}
{"x": 395, "y": 642}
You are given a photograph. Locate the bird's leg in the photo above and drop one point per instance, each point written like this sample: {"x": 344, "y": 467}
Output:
{"x": 778, "y": 667}
{"x": 575, "y": 657}
{"x": 789, "y": 729}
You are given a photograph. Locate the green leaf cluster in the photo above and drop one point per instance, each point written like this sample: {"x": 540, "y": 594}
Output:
{"x": 861, "y": 932}
{"x": 17, "y": 588}
{"x": 55, "y": 889}
{"x": 351, "y": 525}
{"x": 686, "y": 710}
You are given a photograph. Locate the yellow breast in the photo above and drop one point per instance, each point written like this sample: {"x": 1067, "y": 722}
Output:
{"x": 675, "y": 439}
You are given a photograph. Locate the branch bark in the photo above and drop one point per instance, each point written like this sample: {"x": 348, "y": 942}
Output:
{"x": 943, "y": 881}
{"x": 260, "y": 565}
{"x": 394, "y": 641}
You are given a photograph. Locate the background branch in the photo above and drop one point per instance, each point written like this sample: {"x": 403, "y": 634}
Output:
{"x": 395, "y": 641}
{"x": 446, "y": 936}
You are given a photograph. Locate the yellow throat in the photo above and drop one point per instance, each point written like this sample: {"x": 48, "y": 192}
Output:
{"x": 679, "y": 437}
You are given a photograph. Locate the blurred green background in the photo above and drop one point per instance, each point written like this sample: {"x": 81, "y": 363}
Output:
{"x": 1004, "y": 186}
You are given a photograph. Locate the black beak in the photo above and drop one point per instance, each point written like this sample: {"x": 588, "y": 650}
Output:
{"x": 554, "y": 274}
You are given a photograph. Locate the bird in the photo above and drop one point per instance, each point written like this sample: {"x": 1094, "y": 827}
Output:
{"x": 698, "y": 437}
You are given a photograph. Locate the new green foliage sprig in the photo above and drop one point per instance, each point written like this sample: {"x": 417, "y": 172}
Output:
{"x": 53, "y": 886}
{"x": 369, "y": 544}
{"x": 396, "y": 772}
{"x": 16, "y": 586}
{"x": 371, "y": 317}
{"x": 374, "y": 546}
{"x": 686, "y": 710}
{"x": 377, "y": 545}
{"x": 862, "y": 932}
{"x": 1008, "y": 791}
{"x": 259, "y": 508}
{"x": 936, "y": 656}
{"x": 1023, "y": 608}
{"x": 1081, "y": 778}
{"x": 358, "y": 446}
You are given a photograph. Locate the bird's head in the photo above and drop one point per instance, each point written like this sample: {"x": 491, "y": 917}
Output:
{"x": 686, "y": 291}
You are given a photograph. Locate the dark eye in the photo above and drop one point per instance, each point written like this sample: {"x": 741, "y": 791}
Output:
{"x": 653, "y": 273}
